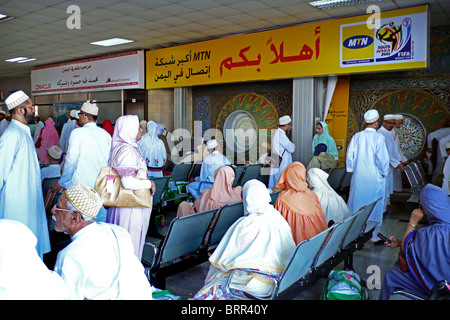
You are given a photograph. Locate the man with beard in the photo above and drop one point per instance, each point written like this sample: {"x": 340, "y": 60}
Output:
{"x": 20, "y": 179}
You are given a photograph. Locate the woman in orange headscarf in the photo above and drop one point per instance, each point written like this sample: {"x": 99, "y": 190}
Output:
{"x": 299, "y": 205}
{"x": 221, "y": 193}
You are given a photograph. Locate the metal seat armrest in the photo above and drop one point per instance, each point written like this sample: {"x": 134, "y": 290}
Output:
{"x": 155, "y": 252}
{"x": 249, "y": 295}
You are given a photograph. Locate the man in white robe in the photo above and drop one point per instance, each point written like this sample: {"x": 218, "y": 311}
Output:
{"x": 397, "y": 175}
{"x": 440, "y": 155}
{"x": 67, "y": 129}
{"x": 368, "y": 159}
{"x": 394, "y": 156}
{"x": 283, "y": 147}
{"x": 20, "y": 179}
{"x": 446, "y": 170}
{"x": 99, "y": 263}
{"x": 88, "y": 152}
{"x": 53, "y": 170}
{"x": 209, "y": 165}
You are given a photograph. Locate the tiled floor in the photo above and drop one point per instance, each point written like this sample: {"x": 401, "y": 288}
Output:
{"x": 371, "y": 262}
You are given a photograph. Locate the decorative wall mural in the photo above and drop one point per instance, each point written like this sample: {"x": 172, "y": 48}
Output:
{"x": 412, "y": 136}
{"x": 244, "y": 111}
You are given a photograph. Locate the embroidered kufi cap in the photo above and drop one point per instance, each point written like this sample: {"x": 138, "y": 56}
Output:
{"x": 389, "y": 117}
{"x": 285, "y": 120}
{"x": 84, "y": 199}
{"x": 371, "y": 116}
{"x": 16, "y": 99}
{"x": 55, "y": 152}
{"x": 90, "y": 108}
{"x": 211, "y": 144}
{"x": 398, "y": 117}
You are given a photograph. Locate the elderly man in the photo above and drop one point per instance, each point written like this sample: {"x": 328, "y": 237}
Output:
{"x": 368, "y": 159}
{"x": 71, "y": 124}
{"x": 212, "y": 162}
{"x": 53, "y": 170}
{"x": 397, "y": 174}
{"x": 394, "y": 156}
{"x": 87, "y": 153}
{"x": 100, "y": 262}
{"x": 20, "y": 179}
{"x": 281, "y": 146}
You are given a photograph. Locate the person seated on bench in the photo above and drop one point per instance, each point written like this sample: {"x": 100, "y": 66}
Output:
{"x": 206, "y": 179}
{"x": 333, "y": 206}
{"x": 322, "y": 159}
{"x": 425, "y": 253}
{"x": 221, "y": 193}
{"x": 261, "y": 240}
{"x": 298, "y": 205}
{"x": 53, "y": 170}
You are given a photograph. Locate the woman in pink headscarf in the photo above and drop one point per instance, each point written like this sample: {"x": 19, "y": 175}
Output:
{"x": 221, "y": 193}
{"x": 49, "y": 137}
{"x": 129, "y": 160}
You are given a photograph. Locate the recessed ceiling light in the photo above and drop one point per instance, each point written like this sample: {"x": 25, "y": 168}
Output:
{"x": 16, "y": 59}
{"x": 4, "y": 17}
{"x": 330, "y": 4}
{"x": 26, "y": 60}
{"x": 111, "y": 42}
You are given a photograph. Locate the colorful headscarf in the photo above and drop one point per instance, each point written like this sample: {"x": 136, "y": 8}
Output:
{"x": 325, "y": 138}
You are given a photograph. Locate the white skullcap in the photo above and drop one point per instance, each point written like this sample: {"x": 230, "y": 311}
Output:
{"x": 447, "y": 145}
{"x": 3, "y": 112}
{"x": 90, "y": 108}
{"x": 389, "y": 117}
{"x": 16, "y": 99}
{"x": 55, "y": 152}
{"x": 398, "y": 117}
{"x": 84, "y": 199}
{"x": 285, "y": 120}
{"x": 371, "y": 116}
{"x": 211, "y": 144}
{"x": 75, "y": 114}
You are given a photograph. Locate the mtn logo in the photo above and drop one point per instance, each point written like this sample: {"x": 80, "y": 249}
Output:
{"x": 358, "y": 42}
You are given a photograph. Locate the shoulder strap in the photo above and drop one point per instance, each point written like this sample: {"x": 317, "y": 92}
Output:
{"x": 117, "y": 154}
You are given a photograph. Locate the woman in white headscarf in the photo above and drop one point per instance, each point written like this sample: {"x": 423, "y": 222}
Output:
{"x": 261, "y": 241}
{"x": 153, "y": 150}
{"x": 334, "y": 207}
{"x": 124, "y": 146}
{"x": 23, "y": 275}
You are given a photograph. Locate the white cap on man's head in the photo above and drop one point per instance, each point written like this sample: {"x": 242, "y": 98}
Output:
{"x": 285, "y": 120}
{"x": 84, "y": 199}
{"x": 90, "y": 108}
{"x": 16, "y": 99}
{"x": 55, "y": 152}
{"x": 3, "y": 112}
{"x": 211, "y": 144}
{"x": 371, "y": 116}
{"x": 75, "y": 114}
{"x": 398, "y": 117}
{"x": 389, "y": 117}
{"x": 447, "y": 145}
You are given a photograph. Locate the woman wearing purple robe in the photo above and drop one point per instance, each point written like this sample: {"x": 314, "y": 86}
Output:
{"x": 425, "y": 253}
{"x": 127, "y": 133}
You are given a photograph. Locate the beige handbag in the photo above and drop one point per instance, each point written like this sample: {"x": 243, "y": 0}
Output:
{"x": 115, "y": 195}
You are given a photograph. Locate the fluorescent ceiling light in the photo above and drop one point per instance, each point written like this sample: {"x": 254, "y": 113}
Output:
{"x": 26, "y": 60}
{"x": 111, "y": 42}
{"x": 330, "y": 4}
{"x": 16, "y": 59}
{"x": 4, "y": 17}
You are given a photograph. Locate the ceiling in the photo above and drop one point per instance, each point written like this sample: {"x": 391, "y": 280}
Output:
{"x": 39, "y": 28}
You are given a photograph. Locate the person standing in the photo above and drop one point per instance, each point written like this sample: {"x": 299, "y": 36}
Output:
{"x": 153, "y": 150}
{"x": 3, "y": 122}
{"x": 368, "y": 159}
{"x": 87, "y": 153}
{"x": 397, "y": 174}
{"x": 128, "y": 160}
{"x": 394, "y": 156}
{"x": 71, "y": 124}
{"x": 281, "y": 146}
{"x": 49, "y": 137}
{"x": 20, "y": 178}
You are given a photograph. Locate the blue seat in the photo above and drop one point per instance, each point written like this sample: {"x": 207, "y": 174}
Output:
{"x": 239, "y": 172}
{"x": 252, "y": 171}
{"x": 359, "y": 225}
{"x": 47, "y": 183}
{"x": 228, "y": 215}
{"x": 160, "y": 184}
{"x": 181, "y": 171}
{"x": 274, "y": 196}
{"x": 335, "y": 177}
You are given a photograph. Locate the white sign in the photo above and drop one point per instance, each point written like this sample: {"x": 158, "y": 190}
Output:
{"x": 113, "y": 72}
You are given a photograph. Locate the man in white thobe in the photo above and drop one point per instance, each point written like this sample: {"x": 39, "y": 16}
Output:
{"x": 281, "y": 146}
{"x": 397, "y": 174}
{"x": 438, "y": 135}
{"x": 88, "y": 152}
{"x": 20, "y": 179}
{"x": 53, "y": 170}
{"x": 394, "y": 156}
{"x": 99, "y": 263}
{"x": 209, "y": 165}
{"x": 446, "y": 170}
{"x": 67, "y": 129}
{"x": 368, "y": 159}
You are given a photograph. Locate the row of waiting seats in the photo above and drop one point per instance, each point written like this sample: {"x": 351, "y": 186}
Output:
{"x": 198, "y": 234}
